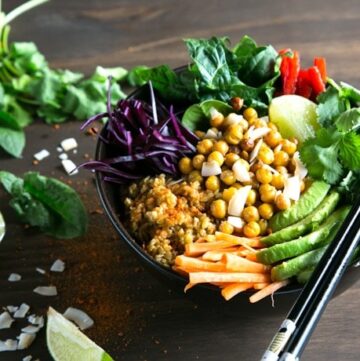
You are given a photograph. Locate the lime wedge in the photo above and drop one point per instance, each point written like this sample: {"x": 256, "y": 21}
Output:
{"x": 67, "y": 343}
{"x": 295, "y": 116}
{"x": 2, "y": 227}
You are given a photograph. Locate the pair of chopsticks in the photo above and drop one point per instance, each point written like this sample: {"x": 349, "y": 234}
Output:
{"x": 295, "y": 331}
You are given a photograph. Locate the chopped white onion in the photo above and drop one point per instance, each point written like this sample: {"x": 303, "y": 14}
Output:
{"x": 58, "y": 266}
{"x": 36, "y": 320}
{"x": 25, "y": 340}
{"x": 214, "y": 113}
{"x": 237, "y": 202}
{"x": 69, "y": 144}
{"x": 46, "y": 290}
{"x": 254, "y": 153}
{"x": 63, "y": 156}
{"x": 233, "y": 118}
{"x": 271, "y": 169}
{"x": 210, "y": 168}
{"x": 69, "y": 166}
{"x": 278, "y": 148}
{"x": 40, "y": 270}
{"x": 14, "y": 277}
{"x": 82, "y": 319}
{"x": 59, "y": 149}
{"x": 22, "y": 311}
{"x": 27, "y": 358}
{"x": 8, "y": 345}
{"x": 300, "y": 169}
{"x": 41, "y": 155}
{"x": 30, "y": 329}
{"x": 5, "y": 320}
{"x": 12, "y": 309}
{"x": 236, "y": 222}
{"x": 292, "y": 188}
{"x": 210, "y": 134}
{"x": 240, "y": 171}
{"x": 257, "y": 133}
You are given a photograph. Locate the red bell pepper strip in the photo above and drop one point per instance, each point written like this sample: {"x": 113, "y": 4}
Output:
{"x": 289, "y": 69}
{"x": 315, "y": 80}
{"x": 303, "y": 86}
{"x": 320, "y": 63}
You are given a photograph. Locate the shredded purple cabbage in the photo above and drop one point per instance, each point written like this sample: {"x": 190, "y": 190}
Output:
{"x": 142, "y": 139}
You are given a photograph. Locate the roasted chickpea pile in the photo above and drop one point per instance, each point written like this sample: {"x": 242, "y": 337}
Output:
{"x": 238, "y": 151}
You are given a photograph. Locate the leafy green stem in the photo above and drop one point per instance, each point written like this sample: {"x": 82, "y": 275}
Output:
{"x": 333, "y": 83}
{"x": 22, "y": 9}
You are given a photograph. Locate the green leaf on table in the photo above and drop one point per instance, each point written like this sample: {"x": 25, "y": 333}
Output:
{"x": 12, "y": 141}
{"x": 349, "y": 151}
{"x": 14, "y": 115}
{"x": 348, "y": 120}
{"x": 102, "y": 74}
{"x": 135, "y": 75}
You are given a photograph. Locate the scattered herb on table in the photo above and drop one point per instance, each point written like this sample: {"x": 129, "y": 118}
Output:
{"x": 46, "y": 203}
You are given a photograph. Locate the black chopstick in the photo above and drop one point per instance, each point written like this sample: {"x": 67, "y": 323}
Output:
{"x": 297, "y": 328}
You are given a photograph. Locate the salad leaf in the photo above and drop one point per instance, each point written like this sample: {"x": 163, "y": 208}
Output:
{"x": 135, "y": 75}
{"x": 46, "y": 203}
{"x": 244, "y": 50}
{"x": 349, "y": 120}
{"x": 349, "y": 151}
{"x": 12, "y": 141}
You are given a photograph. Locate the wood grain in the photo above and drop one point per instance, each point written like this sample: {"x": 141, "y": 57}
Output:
{"x": 141, "y": 319}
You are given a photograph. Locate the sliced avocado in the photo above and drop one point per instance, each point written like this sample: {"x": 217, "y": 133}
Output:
{"x": 302, "y": 208}
{"x": 309, "y": 223}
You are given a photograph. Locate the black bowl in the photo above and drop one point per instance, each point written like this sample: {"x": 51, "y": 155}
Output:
{"x": 109, "y": 196}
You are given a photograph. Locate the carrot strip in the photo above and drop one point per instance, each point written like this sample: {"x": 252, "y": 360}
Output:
{"x": 217, "y": 255}
{"x": 238, "y": 264}
{"x": 259, "y": 286}
{"x": 180, "y": 271}
{"x": 243, "y": 241}
{"x": 267, "y": 291}
{"x": 209, "y": 277}
{"x": 188, "y": 286}
{"x": 235, "y": 288}
{"x": 197, "y": 249}
{"x": 251, "y": 257}
{"x": 197, "y": 264}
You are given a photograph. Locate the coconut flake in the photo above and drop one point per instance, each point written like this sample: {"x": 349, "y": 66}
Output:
{"x": 210, "y": 168}
{"x": 25, "y": 340}
{"x": 271, "y": 169}
{"x": 233, "y": 118}
{"x": 30, "y": 329}
{"x": 254, "y": 153}
{"x": 27, "y": 358}
{"x": 300, "y": 169}
{"x": 41, "y": 155}
{"x": 36, "y": 320}
{"x": 8, "y": 345}
{"x": 5, "y": 320}
{"x": 258, "y": 133}
{"x": 12, "y": 309}
{"x": 69, "y": 166}
{"x": 292, "y": 188}
{"x": 210, "y": 134}
{"x": 46, "y": 290}
{"x": 236, "y": 222}
{"x": 82, "y": 319}
{"x": 22, "y": 311}
{"x": 40, "y": 270}
{"x": 14, "y": 277}
{"x": 58, "y": 266}
{"x": 69, "y": 144}
{"x": 63, "y": 156}
{"x": 240, "y": 171}
{"x": 237, "y": 202}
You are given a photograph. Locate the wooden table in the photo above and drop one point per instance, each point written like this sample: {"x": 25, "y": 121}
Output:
{"x": 137, "y": 317}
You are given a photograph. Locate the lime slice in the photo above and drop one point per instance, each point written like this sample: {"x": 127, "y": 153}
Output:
{"x": 67, "y": 343}
{"x": 295, "y": 116}
{"x": 2, "y": 227}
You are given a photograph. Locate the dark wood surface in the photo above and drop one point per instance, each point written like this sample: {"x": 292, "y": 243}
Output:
{"x": 136, "y": 316}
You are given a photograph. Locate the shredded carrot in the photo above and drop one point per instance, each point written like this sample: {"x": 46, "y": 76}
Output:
{"x": 252, "y": 242}
{"x": 235, "y": 263}
{"x": 180, "y": 271}
{"x": 209, "y": 277}
{"x": 267, "y": 291}
{"x": 259, "y": 286}
{"x": 197, "y": 249}
{"x": 217, "y": 255}
{"x": 197, "y": 264}
{"x": 251, "y": 257}
{"x": 233, "y": 289}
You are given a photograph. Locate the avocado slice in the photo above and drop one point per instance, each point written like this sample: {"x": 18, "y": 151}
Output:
{"x": 309, "y": 223}
{"x": 302, "y": 208}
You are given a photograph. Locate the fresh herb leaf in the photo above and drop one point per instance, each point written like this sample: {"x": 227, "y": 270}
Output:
{"x": 347, "y": 91}
{"x": 349, "y": 120}
{"x": 349, "y": 151}
{"x": 12, "y": 141}
{"x": 102, "y": 74}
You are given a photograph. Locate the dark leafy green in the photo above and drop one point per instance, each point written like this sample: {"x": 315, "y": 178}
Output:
{"x": 46, "y": 203}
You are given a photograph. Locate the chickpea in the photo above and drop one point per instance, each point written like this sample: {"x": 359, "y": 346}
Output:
{"x": 200, "y": 134}
{"x": 266, "y": 155}
{"x": 226, "y": 227}
{"x": 263, "y": 223}
{"x": 198, "y": 161}
{"x": 267, "y": 193}
{"x": 278, "y": 181}
{"x": 255, "y": 167}
{"x": 282, "y": 202}
{"x": 244, "y": 123}
{"x": 281, "y": 158}
{"x": 272, "y": 126}
{"x": 282, "y": 170}
{"x": 204, "y": 146}
{"x": 260, "y": 123}
{"x": 273, "y": 138}
{"x": 251, "y": 229}
{"x": 237, "y": 185}
{"x": 266, "y": 210}
{"x": 250, "y": 113}
{"x": 221, "y": 146}
{"x": 228, "y": 193}
{"x": 302, "y": 186}
{"x": 250, "y": 214}
{"x": 247, "y": 144}
{"x": 244, "y": 155}
{"x": 231, "y": 158}
{"x": 212, "y": 183}
{"x": 217, "y": 118}
{"x": 288, "y": 147}
{"x": 237, "y": 103}
{"x": 264, "y": 175}
{"x": 195, "y": 176}
{"x": 244, "y": 163}
{"x": 218, "y": 208}
{"x": 251, "y": 198}
{"x": 233, "y": 134}
{"x": 185, "y": 165}
{"x": 291, "y": 166}
{"x": 217, "y": 157}
{"x": 228, "y": 177}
